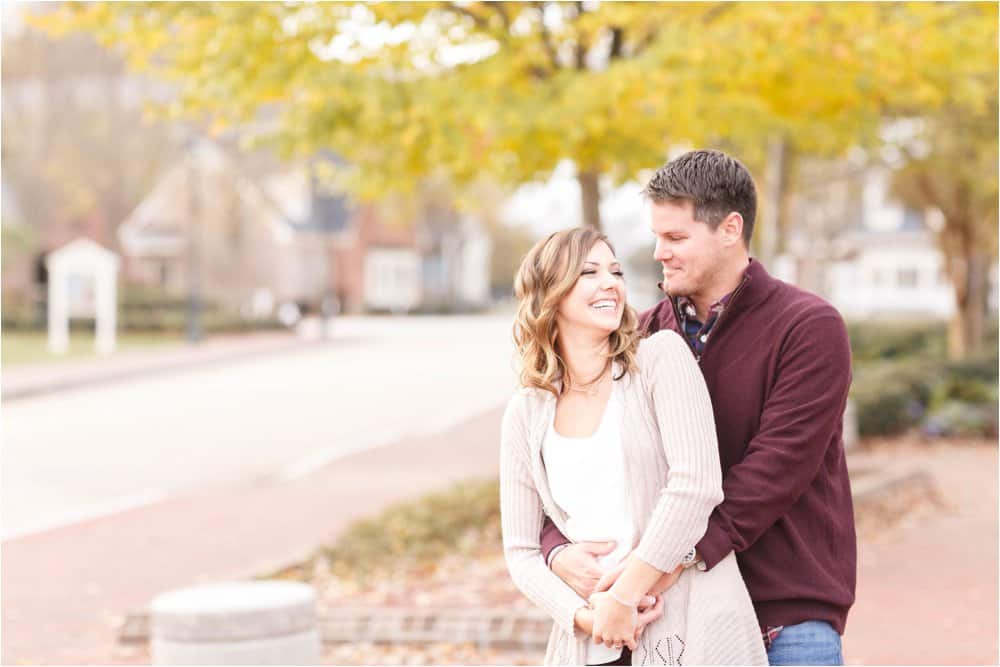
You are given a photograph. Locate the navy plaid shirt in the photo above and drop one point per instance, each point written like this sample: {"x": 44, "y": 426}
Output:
{"x": 694, "y": 330}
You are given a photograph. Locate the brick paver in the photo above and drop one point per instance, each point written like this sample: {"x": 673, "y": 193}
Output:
{"x": 927, "y": 587}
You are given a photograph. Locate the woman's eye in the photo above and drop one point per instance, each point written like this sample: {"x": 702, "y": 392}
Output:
{"x": 588, "y": 273}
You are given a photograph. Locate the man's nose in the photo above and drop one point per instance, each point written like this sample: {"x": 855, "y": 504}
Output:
{"x": 661, "y": 252}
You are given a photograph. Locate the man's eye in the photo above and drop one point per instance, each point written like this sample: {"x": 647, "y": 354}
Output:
{"x": 619, "y": 273}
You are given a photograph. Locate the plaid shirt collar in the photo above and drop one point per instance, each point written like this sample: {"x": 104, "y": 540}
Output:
{"x": 694, "y": 330}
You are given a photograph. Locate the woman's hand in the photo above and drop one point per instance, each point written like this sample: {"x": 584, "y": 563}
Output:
{"x": 614, "y": 623}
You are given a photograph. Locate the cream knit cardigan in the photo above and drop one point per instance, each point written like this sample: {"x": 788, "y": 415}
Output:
{"x": 674, "y": 477}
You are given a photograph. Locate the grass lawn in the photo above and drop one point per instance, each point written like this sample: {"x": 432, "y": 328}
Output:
{"x": 18, "y": 347}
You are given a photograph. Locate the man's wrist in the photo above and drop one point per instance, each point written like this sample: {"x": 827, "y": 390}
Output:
{"x": 692, "y": 559}
{"x": 554, "y": 552}
{"x": 584, "y": 619}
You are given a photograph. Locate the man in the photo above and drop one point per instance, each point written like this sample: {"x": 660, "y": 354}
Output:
{"x": 777, "y": 363}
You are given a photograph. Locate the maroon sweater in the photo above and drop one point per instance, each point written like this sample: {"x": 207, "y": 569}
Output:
{"x": 778, "y": 368}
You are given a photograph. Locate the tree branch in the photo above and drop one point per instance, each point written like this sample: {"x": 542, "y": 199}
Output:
{"x": 480, "y": 21}
{"x": 502, "y": 13}
{"x": 550, "y": 48}
{"x": 617, "y": 42}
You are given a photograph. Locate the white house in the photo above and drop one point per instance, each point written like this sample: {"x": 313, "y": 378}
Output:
{"x": 892, "y": 266}
{"x": 869, "y": 255}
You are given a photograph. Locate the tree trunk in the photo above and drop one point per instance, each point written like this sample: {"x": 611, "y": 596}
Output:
{"x": 590, "y": 197}
{"x": 956, "y": 334}
{"x": 974, "y": 316}
{"x": 768, "y": 224}
{"x": 970, "y": 277}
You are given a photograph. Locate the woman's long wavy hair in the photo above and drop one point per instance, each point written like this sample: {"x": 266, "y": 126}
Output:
{"x": 546, "y": 275}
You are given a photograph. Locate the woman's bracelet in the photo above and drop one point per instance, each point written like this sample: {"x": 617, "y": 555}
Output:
{"x": 623, "y": 603}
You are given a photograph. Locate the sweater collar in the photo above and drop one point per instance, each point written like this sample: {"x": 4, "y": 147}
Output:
{"x": 757, "y": 283}
{"x": 756, "y": 286}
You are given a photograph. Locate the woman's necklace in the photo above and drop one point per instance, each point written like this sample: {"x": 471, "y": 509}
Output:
{"x": 593, "y": 387}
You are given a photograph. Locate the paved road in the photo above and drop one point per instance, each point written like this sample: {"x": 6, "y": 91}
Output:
{"x": 90, "y": 451}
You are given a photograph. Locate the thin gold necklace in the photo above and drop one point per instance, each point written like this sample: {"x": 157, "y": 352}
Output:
{"x": 593, "y": 387}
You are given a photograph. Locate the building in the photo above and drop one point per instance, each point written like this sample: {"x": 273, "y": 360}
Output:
{"x": 256, "y": 234}
{"x": 868, "y": 254}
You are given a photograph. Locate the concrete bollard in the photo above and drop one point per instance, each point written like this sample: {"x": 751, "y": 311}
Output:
{"x": 239, "y": 623}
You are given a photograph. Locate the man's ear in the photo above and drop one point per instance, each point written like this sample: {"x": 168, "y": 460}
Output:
{"x": 732, "y": 229}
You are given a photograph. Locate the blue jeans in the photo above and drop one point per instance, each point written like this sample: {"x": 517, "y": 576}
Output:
{"x": 809, "y": 643}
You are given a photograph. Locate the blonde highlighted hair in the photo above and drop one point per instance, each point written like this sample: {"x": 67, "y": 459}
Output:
{"x": 546, "y": 275}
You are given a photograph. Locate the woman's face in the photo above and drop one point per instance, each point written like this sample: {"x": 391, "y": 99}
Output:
{"x": 597, "y": 300}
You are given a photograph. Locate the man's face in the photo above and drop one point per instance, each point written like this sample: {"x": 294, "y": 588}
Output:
{"x": 690, "y": 252}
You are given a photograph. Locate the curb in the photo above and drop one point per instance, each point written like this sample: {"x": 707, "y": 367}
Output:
{"x": 500, "y": 628}
{"x": 151, "y": 368}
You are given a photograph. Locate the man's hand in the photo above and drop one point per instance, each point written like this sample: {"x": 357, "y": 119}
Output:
{"x": 650, "y": 609}
{"x": 577, "y": 565}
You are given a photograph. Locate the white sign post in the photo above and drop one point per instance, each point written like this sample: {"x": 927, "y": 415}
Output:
{"x": 82, "y": 281}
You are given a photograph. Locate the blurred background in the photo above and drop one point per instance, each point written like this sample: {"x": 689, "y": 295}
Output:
{"x": 256, "y": 292}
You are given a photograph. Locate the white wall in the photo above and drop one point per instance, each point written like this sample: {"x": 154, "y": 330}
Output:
{"x": 892, "y": 280}
{"x": 392, "y": 279}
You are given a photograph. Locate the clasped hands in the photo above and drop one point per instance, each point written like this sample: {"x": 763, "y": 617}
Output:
{"x": 610, "y": 618}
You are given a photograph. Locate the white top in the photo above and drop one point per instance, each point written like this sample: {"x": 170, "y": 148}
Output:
{"x": 587, "y": 480}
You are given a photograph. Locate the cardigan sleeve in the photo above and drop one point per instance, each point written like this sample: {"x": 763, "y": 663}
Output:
{"x": 684, "y": 416}
{"x": 521, "y": 522}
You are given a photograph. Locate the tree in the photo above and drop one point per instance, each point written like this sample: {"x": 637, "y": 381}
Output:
{"x": 78, "y": 152}
{"x": 947, "y": 161}
{"x": 955, "y": 174}
{"x": 407, "y": 90}
{"x": 459, "y": 90}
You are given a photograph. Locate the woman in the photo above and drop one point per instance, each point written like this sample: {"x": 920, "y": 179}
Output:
{"x": 614, "y": 440}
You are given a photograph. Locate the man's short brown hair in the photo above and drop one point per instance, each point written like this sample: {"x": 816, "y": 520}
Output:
{"x": 715, "y": 183}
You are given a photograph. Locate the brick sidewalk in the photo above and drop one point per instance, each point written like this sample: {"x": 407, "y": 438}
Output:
{"x": 927, "y": 587}
{"x": 64, "y": 592}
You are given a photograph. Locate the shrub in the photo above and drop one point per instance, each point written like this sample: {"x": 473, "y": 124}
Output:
{"x": 880, "y": 341}
{"x": 912, "y": 384}
{"x": 420, "y": 531}
{"x": 955, "y": 418}
{"x": 890, "y": 397}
